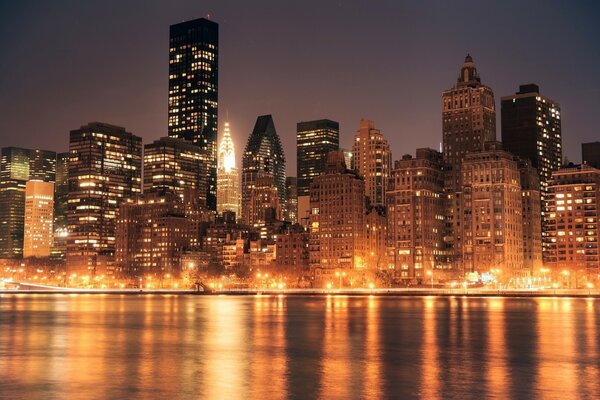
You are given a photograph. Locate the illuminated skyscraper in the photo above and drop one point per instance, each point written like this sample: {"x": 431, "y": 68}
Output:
{"x": 468, "y": 121}
{"x": 17, "y": 166}
{"x": 531, "y": 129}
{"x": 372, "y": 161}
{"x": 61, "y": 197}
{"x": 228, "y": 178}
{"x": 263, "y": 159}
{"x": 39, "y": 213}
{"x": 193, "y": 91}
{"x": 104, "y": 170}
{"x": 178, "y": 165}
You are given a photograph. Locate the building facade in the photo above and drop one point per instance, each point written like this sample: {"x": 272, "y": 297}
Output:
{"x": 372, "y": 161}
{"x": 104, "y": 171}
{"x": 193, "y": 91}
{"x": 228, "y": 178}
{"x": 17, "y": 166}
{"x": 572, "y": 229}
{"x": 61, "y": 201}
{"x": 291, "y": 200}
{"x": 468, "y": 121}
{"x": 531, "y": 211}
{"x": 416, "y": 208}
{"x": 39, "y": 219}
{"x": 263, "y": 160}
{"x": 178, "y": 165}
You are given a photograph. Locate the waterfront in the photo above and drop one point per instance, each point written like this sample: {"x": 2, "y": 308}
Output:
{"x": 227, "y": 347}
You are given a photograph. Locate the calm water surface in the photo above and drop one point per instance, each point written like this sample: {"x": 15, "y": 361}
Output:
{"x": 182, "y": 347}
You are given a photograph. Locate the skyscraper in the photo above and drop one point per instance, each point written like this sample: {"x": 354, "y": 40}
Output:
{"x": 263, "y": 157}
{"x": 291, "y": 199}
{"x": 468, "y": 121}
{"x": 61, "y": 197}
{"x": 178, "y": 165}
{"x": 372, "y": 161}
{"x": 104, "y": 170}
{"x": 193, "y": 91}
{"x": 17, "y": 166}
{"x": 531, "y": 129}
{"x": 39, "y": 213}
{"x": 228, "y": 178}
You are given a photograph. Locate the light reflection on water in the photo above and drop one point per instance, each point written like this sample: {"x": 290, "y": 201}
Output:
{"x": 278, "y": 347}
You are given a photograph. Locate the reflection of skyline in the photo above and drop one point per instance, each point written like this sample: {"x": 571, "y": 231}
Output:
{"x": 281, "y": 347}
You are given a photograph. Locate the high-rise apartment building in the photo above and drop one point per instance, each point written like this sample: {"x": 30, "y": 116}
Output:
{"x": 61, "y": 198}
{"x": 531, "y": 129}
{"x": 264, "y": 207}
{"x": 372, "y": 160}
{"x": 337, "y": 220}
{"x": 314, "y": 140}
{"x": 228, "y": 178}
{"x": 263, "y": 159}
{"x": 193, "y": 91}
{"x": 39, "y": 215}
{"x": 531, "y": 211}
{"x": 291, "y": 199}
{"x": 590, "y": 154}
{"x": 176, "y": 164}
{"x": 17, "y": 166}
{"x": 104, "y": 170}
{"x": 416, "y": 208}
{"x": 491, "y": 223}
{"x": 572, "y": 214}
{"x": 468, "y": 121}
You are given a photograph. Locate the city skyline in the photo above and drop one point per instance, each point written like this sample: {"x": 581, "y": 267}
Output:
{"x": 132, "y": 92}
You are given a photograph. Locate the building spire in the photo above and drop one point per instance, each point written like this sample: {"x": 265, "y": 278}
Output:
{"x": 468, "y": 73}
{"x": 226, "y": 157}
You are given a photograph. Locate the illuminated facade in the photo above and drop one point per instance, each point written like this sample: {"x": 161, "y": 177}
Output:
{"x": 228, "y": 178}
{"x": 17, "y": 166}
{"x": 468, "y": 121}
{"x": 314, "y": 140}
{"x": 264, "y": 207}
{"x": 39, "y": 215}
{"x": 491, "y": 222}
{"x": 193, "y": 91}
{"x": 337, "y": 219}
{"x": 104, "y": 170}
{"x": 572, "y": 229}
{"x": 263, "y": 159}
{"x": 531, "y": 211}
{"x": 178, "y": 165}
{"x": 61, "y": 198}
{"x": 416, "y": 208}
{"x": 152, "y": 234}
{"x": 291, "y": 199}
{"x": 372, "y": 160}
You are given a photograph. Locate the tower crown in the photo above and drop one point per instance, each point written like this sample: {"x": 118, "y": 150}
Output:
{"x": 226, "y": 157}
{"x": 468, "y": 73}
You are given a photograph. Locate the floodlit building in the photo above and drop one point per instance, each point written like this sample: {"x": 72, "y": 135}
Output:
{"x": 39, "y": 215}
{"x": 228, "y": 178}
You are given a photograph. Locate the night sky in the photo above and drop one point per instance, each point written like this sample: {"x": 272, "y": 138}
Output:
{"x": 65, "y": 63}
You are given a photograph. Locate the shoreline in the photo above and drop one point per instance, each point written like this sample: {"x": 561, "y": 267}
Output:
{"x": 560, "y": 293}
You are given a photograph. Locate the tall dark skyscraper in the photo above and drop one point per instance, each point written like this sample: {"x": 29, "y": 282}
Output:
{"x": 263, "y": 159}
{"x": 531, "y": 129}
{"x": 469, "y": 121}
{"x": 193, "y": 90}
{"x": 17, "y": 166}
{"x": 314, "y": 141}
{"x": 104, "y": 170}
{"x": 61, "y": 197}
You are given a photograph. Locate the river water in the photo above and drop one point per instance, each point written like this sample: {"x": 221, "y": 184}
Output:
{"x": 287, "y": 347}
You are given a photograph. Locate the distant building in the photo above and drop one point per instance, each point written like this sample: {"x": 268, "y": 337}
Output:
{"x": 61, "y": 201}
{"x": 152, "y": 234}
{"x": 292, "y": 250}
{"x": 372, "y": 161}
{"x": 176, "y": 164}
{"x": 376, "y": 238}
{"x": 337, "y": 220}
{"x": 468, "y": 121}
{"x": 291, "y": 200}
{"x": 531, "y": 211}
{"x": 193, "y": 92}
{"x": 17, "y": 166}
{"x": 104, "y": 171}
{"x": 572, "y": 229}
{"x": 416, "y": 208}
{"x": 264, "y": 207}
{"x": 590, "y": 154}
{"x": 348, "y": 159}
{"x": 491, "y": 222}
{"x": 228, "y": 178}
{"x": 39, "y": 212}
{"x": 263, "y": 159}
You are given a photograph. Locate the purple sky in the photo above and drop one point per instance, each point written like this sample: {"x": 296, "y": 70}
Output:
{"x": 65, "y": 63}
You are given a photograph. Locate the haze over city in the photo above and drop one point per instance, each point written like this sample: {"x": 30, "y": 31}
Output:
{"x": 67, "y": 63}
